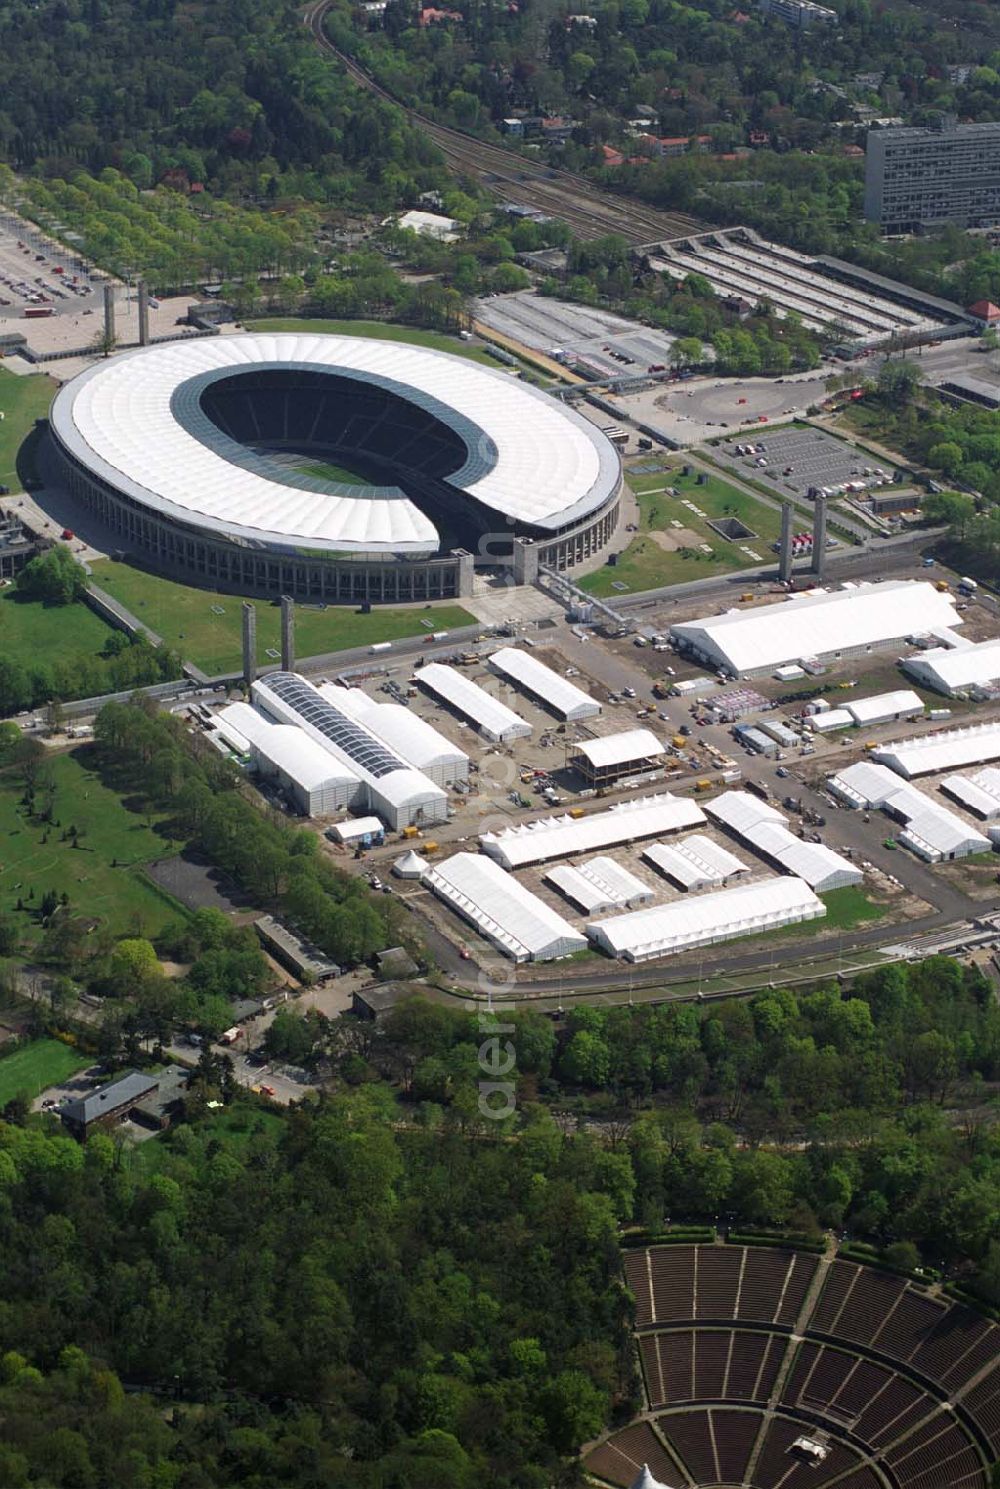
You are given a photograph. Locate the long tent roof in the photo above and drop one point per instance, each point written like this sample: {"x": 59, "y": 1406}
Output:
{"x": 885, "y": 706}
{"x": 694, "y": 860}
{"x": 930, "y": 826}
{"x": 766, "y": 830}
{"x": 489, "y": 715}
{"x": 707, "y": 917}
{"x": 500, "y": 907}
{"x": 400, "y": 728}
{"x": 949, "y": 669}
{"x": 136, "y": 421}
{"x": 819, "y": 622}
{"x": 559, "y": 837}
{"x": 561, "y": 695}
{"x": 946, "y": 749}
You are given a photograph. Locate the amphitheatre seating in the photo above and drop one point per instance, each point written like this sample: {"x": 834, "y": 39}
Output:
{"x": 935, "y": 1456}
{"x": 719, "y": 1284}
{"x": 619, "y": 1460}
{"x": 710, "y": 1365}
{"x": 715, "y": 1326}
{"x": 983, "y": 1404}
{"x": 776, "y": 1465}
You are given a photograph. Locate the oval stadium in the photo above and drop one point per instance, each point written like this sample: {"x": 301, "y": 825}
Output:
{"x": 766, "y": 1367}
{"x": 332, "y": 468}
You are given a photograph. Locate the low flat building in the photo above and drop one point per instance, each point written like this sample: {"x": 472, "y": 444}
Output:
{"x": 749, "y": 909}
{"x": 979, "y": 793}
{"x": 562, "y": 837}
{"x": 525, "y": 671}
{"x": 107, "y": 1105}
{"x": 696, "y": 862}
{"x": 294, "y": 951}
{"x": 516, "y": 921}
{"x": 599, "y": 884}
{"x": 930, "y": 830}
{"x": 764, "y": 829}
{"x": 945, "y": 749}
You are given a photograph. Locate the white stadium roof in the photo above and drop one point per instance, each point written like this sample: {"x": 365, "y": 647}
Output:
{"x": 516, "y": 921}
{"x": 558, "y": 837}
{"x": 624, "y": 748}
{"x": 931, "y": 830}
{"x": 694, "y": 862}
{"x": 947, "y": 749}
{"x": 598, "y": 884}
{"x": 766, "y": 830}
{"x": 746, "y": 910}
{"x": 562, "y": 696}
{"x": 817, "y": 623}
{"x": 136, "y": 422}
{"x": 952, "y": 669}
{"x": 488, "y": 714}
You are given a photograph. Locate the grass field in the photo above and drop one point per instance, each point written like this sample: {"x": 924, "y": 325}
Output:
{"x": 46, "y": 1062}
{"x": 379, "y": 331}
{"x": 22, "y": 401}
{"x": 645, "y": 564}
{"x": 234, "y": 1129}
{"x": 186, "y": 620}
{"x": 30, "y": 632}
{"x": 109, "y": 835}
{"x": 327, "y": 471}
{"x": 845, "y": 909}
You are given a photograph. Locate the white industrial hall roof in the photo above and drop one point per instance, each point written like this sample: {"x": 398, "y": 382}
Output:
{"x": 394, "y": 787}
{"x": 947, "y": 749}
{"x": 598, "y": 884}
{"x": 559, "y": 837}
{"x": 694, "y": 861}
{"x": 562, "y": 696}
{"x": 953, "y": 669}
{"x": 516, "y": 921}
{"x": 746, "y": 910}
{"x": 357, "y": 827}
{"x": 624, "y": 748}
{"x": 135, "y": 421}
{"x": 901, "y": 703}
{"x": 818, "y": 623}
{"x": 830, "y": 720}
{"x": 979, "y": 793}
{"x": 931, "y": 830}
{"x": 767, "y": 831}
{"x": 488, "y": 714}
{"x": 404, "y": 731}
{"x": 287, "y": 748}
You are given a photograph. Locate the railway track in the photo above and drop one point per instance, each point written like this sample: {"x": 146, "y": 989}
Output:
{"x": 589, "y": 211}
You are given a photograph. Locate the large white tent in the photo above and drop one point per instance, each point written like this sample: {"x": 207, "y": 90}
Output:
{"x": 560, "y": 837}
{"x": 946, "y": 749}
{"x": 979, "y": 794}
{"x": 694, "y": 862}
{"x": 746, "y": 910}
{"x": 399, "y": 794}
{"x": 767, "y": 832}
{"x": 816, "y": 624}
{"x": 931, "y": 830}
{"x": 403, "y": 730}
{"x": 492, "y": 718}
{"x": 956, "y": 669}
{"x": 532, "y": 675}
{"x": 598, "y": 884}
{"x": 516, "y": 921}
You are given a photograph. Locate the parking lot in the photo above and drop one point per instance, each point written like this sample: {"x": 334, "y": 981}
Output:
{"x": 600, "y": 343}
{"x": 794, "y": 461}
{"x": 37, "y": 274}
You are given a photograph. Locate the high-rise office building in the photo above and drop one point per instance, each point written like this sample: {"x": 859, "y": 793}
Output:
{"x": 921, "y": 178}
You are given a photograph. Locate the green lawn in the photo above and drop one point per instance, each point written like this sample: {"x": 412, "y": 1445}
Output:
{"x": 234, "y": 1128}
{"x": 31, "y": 632}
{"x": 22, "y": 401}
{"x": 379, "y": 331}
{"x": 327, "y": 471}
{"x": 46, "y": 1062}
{"x": 186, "y": 620}
{"x": 647, "y": 565}
{"x": 103, "y": 876}
{"x": 845, "y": 909}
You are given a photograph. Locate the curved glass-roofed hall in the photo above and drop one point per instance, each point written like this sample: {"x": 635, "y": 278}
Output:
{"x": 333, "y": 468}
